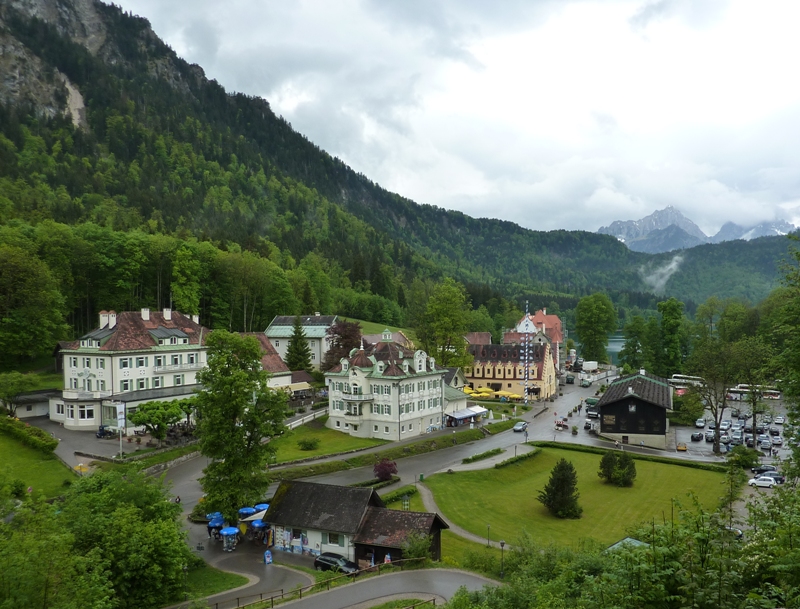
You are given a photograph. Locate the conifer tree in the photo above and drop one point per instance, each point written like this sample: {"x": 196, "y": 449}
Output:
{"x": 560, "y": 495}
{"x": 298, "y": 353}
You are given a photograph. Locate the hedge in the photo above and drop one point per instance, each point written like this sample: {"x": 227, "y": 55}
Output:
{"x": 398, "y": 494}
{"x": 375, "y": 484}
{"x": 416, "y": 448}
{"x": 517, "y": 459}
{"x": 494, "y": 428}
{"x": 711, "y": 467}
{"x": 28, "y": 434}
{"x": 486, "y": 455}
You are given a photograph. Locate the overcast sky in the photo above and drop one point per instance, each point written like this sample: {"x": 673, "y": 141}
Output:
{"x": 547, "y": 113}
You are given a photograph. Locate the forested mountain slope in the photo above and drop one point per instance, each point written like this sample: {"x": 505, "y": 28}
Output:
{"x": 151, "y": 145}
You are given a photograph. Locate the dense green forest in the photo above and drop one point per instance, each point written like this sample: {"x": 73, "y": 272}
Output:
{"x": 176, "y": 193}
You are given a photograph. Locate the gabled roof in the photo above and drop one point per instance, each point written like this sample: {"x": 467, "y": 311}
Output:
{"x": 550, "y": 324}
{"x": 301, "y": 376}
{"x": 321, "y": 507}
{"x": 647, "y": 387}
{"x": 391, "y": 528}
{"x": 270, "y": 360}
{"x": 131, "y": 332}
{"x": 504, "y": 354}
{"x": 479, "y": 338}
{"x": 397, "y": 337}
{"x": 314, "y": 326}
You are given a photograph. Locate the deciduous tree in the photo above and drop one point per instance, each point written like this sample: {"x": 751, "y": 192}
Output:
{"x": 12, "y": 386}
{"x": 445, "y": 323}
{"x": 384, "y": 469}
{"x": 343, "y": 336}
{"x": 237, "y": 412}
{"x": 157, "y": 417}
{"x": 595, "y": 319}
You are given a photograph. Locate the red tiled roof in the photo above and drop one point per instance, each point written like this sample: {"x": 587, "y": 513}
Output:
{"x": 270, "y": 360}
{"x": 301, "y": 376}
{"x": 479, "y": 338}
{"x": 391, "y": 528}
{"x": 131, "y": 332}
{"x": 504, "y": 354}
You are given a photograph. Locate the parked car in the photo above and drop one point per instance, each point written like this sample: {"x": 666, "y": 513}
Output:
{"x": 748, "y": 428}
{"x": 725, "y": 438}
{"x": 709, "y": 436}
{"x": 763, "y": 481}
{"x": 586, "y": 383}
{"x": 681, "y": 446}
{"x": 779, "y": 420}
{"x": 330, "y": 561}
{"x": 765, "y": 444}
{"x": 777, "y": 441}
{"x": 774, "y": 431}
{"x": 697, "y": 436}
{"x": 725, "y": 425}
{"x": 701, "y": 423}
{"x": 766, "y": 418}
{"x": 762, "y": 469}
{"x": 779, "y": 478}
{"x": 570, "y": 379}
{"x": 521, "y": 426}
{"x": 712, "y": 424}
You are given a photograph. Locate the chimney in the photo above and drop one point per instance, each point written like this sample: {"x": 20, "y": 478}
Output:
{"x": 103, "y": 319}
{"x": 196, "y": 319}
{"x": 112, "y": 319}
{"x": 630, "y": 390}
{"x": 167, "y": 314}
{"x": 544, "y": 311}
{"x": 146, "y": 314}
{"x": 642, "y": 372}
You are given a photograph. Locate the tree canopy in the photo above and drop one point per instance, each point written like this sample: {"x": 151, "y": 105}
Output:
{"x": 595, "y": 319}
{"x": 298, "y": 353}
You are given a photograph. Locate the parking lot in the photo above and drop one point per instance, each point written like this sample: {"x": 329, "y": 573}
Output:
{"x": 704, "y": 447}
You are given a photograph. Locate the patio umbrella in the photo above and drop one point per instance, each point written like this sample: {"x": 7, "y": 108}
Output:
{"x": 482, "y": 389}
{"x": 258, "y": 524}
{"x": 504, "y": 393}
{"x": 229, "y": 531}
{"x": 515, "y": 396}
{"x": 214, "y": 515}
{"x": 468, "y": 390}
{"x": 246, "y": 511}
{"x": 261, "y": 506}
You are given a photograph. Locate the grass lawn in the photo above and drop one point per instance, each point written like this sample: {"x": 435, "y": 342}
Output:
{"x": 506, "y": 498}
{"x": 401, "y": 604}
{"x": 370, "y": 327}
{"x": 204, "y": 581}
{"x": 331, "y": 441}
{"x": 43, "y": 473}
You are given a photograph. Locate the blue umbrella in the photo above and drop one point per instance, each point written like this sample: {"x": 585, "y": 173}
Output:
{"x": 229, "y": 531}
{"x": 258, "y": 524}
{"x": 246, "y": 511}
{"x": 262, "y": 506}
{"x": 214, "y": 515}
{"x": 216, "y": 523}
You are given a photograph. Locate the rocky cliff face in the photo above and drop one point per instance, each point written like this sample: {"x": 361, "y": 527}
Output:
{"x": 630, "y": 230}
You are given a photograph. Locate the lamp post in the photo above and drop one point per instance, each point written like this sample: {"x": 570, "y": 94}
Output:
{"x": 502, "y": 545}
{"x": 454, "y": 437}
{"x": 185, "y": 583}
{"x": 488, "y": 526}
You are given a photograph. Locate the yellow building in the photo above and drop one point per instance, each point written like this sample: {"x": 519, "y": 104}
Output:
{"x": 500, "y": 368}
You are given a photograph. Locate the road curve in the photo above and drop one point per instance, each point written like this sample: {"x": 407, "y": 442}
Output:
{"x": 421, "y": 584}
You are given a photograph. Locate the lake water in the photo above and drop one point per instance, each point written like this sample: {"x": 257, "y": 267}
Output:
{"x": 615, "y": 344}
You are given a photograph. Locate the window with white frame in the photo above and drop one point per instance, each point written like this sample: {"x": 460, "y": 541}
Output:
{"x": 333, "y": 539}
{"x": 338, "y": 423}
{"x": 375, "y": 428}
{"x": 71, "y": 411}
{"x": 387, "y": 409}
{"x": 100, "y": 362}
{"x": 375, "y": 409}
{"x": 73, "y": 383}
{"x": 87, "y": 362}
{"x": 313, "y": 356}
{"x": 410, "y": 427}
{"x": 59, "y": 408}
{"x": 177, "y": 360}
{"x": 101, "y": 385}
{"x": 177, "y": 380}
{"x": 124, "y": 362}
{"x": 158, "y": 360}
{"x": 313, "y": 343}
{"x": 158, "y": 382}
{"x": 85, "y": 412}
{"x": 125, "y": 385}
{"x": 73, "y": 362}
{"x": 141, "y": 362}
{"x": 402, "y": 429}
{"x": 141, "y": 384}
{"x": 191, "y": 358}
{"x": 277, "y": 343}
{"x": 385, "y": 429}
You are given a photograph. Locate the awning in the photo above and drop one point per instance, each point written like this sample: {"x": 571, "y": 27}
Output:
{"x": 478, "y": 410}
{"x": 462, "y": 414}
{"x": 298, "y": 387}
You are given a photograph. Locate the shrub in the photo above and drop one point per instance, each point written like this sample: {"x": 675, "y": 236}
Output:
{"x": 417, "y": 545}
{"x": 384, "y": 469}
{"x": 308, "y": 443}
{"x": 517, "y": 459}
{"x": 617, "y": 468}
{"x": 27, "y": 434}
{"x": 398, "y": 494}
{"x": 17, "y": 488}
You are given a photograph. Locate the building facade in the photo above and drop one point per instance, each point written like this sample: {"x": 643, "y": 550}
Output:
{"x": 315, "y": 329}
{"x": 633, "y": 410}
{"x": 499, "y": 367}
{"x": 130, "y": 358}
{"x": 385, "y": 391}
{"x": 549, "y": 325}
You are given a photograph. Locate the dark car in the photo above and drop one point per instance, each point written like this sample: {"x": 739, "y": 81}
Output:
{"x": 748, "y": 428}
{"x": 709, "y": 436}
{"x": 774, "y": 431}
{"x": 761, "y": 469}
{"x": 697, "y": 436}
{"x": 330, "y": 561}
{"x": 780, "y": 479}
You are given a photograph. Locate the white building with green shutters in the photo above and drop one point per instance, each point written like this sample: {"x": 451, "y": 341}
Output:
{"x": 315, "y": 329}
{"x": 386, "y": 392}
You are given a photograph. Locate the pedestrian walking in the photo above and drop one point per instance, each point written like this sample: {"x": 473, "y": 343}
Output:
{"x": 616, "y": 443}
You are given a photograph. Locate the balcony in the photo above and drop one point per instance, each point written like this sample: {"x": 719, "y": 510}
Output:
{"x": 356, "y": 397}
{"x": 177, "y": 367}
{"x": 77, "y": 394}
{"x": 352, "y": 415}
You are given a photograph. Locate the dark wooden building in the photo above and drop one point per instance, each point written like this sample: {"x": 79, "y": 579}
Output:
{"x": 633, "y": 410}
